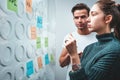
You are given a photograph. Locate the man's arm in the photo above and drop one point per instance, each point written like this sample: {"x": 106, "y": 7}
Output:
{"x": 64, "y": 59}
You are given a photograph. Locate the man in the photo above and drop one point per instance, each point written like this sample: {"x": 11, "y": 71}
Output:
{"x": 82, "y": 35}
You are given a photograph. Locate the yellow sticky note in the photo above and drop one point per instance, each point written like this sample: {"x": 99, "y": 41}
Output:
{"x": 29, "y": 6}
{"x": 33, "y": 33}
{"x": 39, "y": 60}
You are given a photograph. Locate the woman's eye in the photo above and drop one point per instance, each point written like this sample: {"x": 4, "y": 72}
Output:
{"x": 93, "y": 13}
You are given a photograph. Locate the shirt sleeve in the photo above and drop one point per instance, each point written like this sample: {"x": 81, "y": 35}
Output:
{"x": 102, "y": 69}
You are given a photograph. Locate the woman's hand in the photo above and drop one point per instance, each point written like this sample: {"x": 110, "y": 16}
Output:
{"x": 72, "y": 50}
{"x": 71, "y": 45}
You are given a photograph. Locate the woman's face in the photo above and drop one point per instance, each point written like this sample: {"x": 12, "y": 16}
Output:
{"x": 96, "y": 20}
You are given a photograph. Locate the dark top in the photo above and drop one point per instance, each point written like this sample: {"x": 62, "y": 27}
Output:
{"x": 100, "y": 60}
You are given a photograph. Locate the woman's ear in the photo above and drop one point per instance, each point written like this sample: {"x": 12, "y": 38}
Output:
{"x": 108, "y": 18}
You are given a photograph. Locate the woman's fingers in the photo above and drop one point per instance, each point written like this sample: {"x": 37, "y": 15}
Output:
{"x": 71, "y": 44}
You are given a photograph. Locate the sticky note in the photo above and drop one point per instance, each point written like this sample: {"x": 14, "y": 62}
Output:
{"x": 47, "y": 59}
{"x": 12, "y": 5}
{"x": 51, "y": 58}
{"x": 39, "y": 22}
{"x": 33, "y": 33}
{"x": 30, "y": 69}
{"x": 38, "y": 42}
{"x": 39, "y": 60}
{"x": 29, "y": 6}
{"x": 46, "y": 41}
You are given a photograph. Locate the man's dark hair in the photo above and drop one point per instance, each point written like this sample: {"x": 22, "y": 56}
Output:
{"x": 80, "y": 6}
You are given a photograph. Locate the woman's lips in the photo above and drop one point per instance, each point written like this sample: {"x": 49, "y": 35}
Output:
{"x": 89, "y": 26}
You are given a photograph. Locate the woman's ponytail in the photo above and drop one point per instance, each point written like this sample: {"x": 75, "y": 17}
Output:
{"x": 117, "y": 27}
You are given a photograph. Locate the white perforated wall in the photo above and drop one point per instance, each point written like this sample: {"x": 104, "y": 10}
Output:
{"x": 27, "y": 39}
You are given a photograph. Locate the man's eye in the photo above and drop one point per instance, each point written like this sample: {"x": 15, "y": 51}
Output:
{"x": 83, "y": 16}
{"x": 76, "y": 17}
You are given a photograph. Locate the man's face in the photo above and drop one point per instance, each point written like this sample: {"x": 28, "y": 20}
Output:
{"x": 80, "y": 17}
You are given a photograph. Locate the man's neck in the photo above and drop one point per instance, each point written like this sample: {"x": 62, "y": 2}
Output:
{"x": 83, "y": 31}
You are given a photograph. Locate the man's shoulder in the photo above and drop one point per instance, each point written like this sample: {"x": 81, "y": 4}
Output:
{"x": 92, "y": 34}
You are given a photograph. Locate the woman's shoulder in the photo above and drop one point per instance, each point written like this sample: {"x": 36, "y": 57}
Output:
{"x": 114, "y": 46}
{"x": 90, "y": 46}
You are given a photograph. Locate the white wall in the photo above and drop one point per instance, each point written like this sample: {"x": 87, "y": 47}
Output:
{"x": 64, "y": 25}
{"x": 27, "y": 49}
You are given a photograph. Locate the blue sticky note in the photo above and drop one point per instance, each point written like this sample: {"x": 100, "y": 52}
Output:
{"x": 39, "y": 22}
{"x": 29, "y": 66}
{"x": 47, "y": 59}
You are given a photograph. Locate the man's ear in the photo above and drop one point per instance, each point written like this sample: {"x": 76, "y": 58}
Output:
{"x": 108, "y": 18}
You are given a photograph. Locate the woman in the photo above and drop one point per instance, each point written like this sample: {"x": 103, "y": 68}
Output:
{"x": 100, "y": 60}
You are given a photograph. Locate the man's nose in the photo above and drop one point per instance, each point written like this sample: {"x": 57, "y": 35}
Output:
{"x": 80, "y": 20}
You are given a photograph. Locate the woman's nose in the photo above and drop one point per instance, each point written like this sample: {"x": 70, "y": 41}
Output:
{"x": 88, "y": 19}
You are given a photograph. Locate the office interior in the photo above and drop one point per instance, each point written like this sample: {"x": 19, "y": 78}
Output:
{"x": 31, "y": 37}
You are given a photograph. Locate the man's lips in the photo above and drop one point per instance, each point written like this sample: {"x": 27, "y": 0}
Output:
{"x": 81, "y": 25}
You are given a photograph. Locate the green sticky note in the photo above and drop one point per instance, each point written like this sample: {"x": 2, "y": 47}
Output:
{"x": 52, "y": 57}
{"x": 12, "y": 5}
{"x": 38, "y": 42}
{"x": 46, "y": 41}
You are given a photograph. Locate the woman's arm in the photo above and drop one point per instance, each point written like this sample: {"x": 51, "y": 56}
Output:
{"x": 102, "y": 69}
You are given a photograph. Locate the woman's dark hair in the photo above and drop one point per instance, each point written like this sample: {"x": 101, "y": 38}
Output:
{"x": 80, "y": 6}
{"x": 110, "y": 8}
